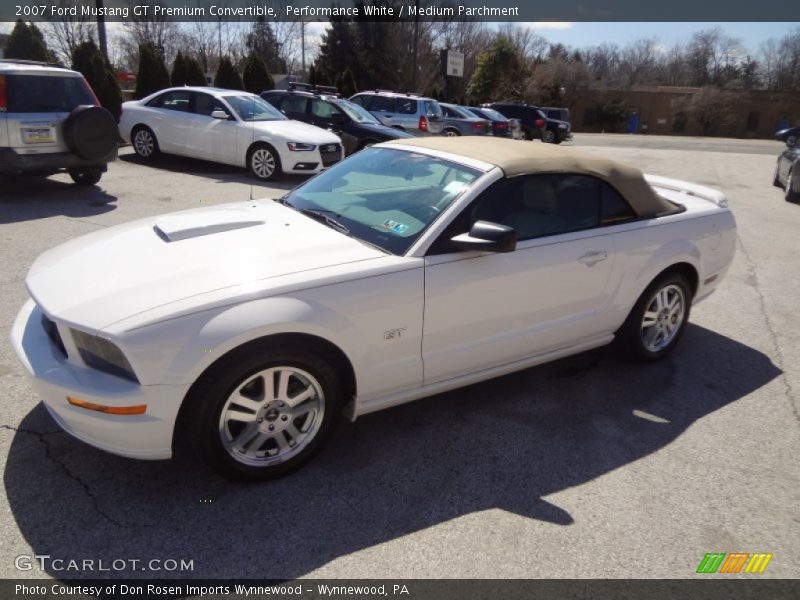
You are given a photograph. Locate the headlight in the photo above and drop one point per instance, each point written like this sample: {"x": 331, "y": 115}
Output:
{"x": 102, "y": 355}
{"x": 300, "y": 147}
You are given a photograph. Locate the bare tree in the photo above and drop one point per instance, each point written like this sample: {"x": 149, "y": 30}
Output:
{"x": 67, "y": 32}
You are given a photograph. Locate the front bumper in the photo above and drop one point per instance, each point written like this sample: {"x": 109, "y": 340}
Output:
{"x": 54, "y": 377}
{"x": 312, "y": 161}
{"x": 13, "y": 162}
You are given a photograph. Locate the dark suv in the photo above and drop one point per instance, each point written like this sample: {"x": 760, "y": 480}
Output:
{"x": 535, "y": 123}
{"x": 50, "y": 121}
{"x": 322, "y": 106}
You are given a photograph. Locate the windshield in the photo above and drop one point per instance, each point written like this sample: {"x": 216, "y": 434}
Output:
{"x": 253, "y": 108}
{"x": 357, "y": 113}
{"x": 493, "y": 114}
{"x": 383, "y": 196}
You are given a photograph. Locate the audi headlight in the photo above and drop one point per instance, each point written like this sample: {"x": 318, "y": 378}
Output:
{"x": 102, "y": 355}
{"x": 300, "y": 147}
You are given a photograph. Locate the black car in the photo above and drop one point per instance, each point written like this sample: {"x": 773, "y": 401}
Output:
{"x": 535, "y": 124}
{"x": 500, "y": 125}
{"x": 321, "y": 106}
{"x": 787, "y": 173}
{"x": 788, "y": 135}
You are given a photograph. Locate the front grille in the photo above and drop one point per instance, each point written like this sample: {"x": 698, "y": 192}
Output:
{"x": 51, "y": 329}
{"x": 330, "y": 153}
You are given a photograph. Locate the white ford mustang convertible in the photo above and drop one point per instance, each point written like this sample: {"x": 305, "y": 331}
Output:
{"x": 411, "y": 268}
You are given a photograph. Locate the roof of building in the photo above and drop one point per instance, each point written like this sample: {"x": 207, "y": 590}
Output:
{"x": 517, "y": 157}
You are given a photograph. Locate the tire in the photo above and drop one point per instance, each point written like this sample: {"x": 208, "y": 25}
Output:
{"x": 776, "y": 181}
{"x": 263, "y": 162}
{"x": 791, "y": 140}
{"x": 549, "y": 137}
{"x": 91, "y": 132}
{"x": 527, "y": 135}
{"x": 144, "y": 142}
{"x": 638, "y": 338}
{"x": 449, "y": 132}
{"x": 85, "y": 177}
{"x": 260, "y": 439}
{"x": 790, "y": 195}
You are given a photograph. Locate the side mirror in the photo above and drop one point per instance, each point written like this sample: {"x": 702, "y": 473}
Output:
{"x": 219, "y": 114}
{"x": 487, "y": 237}
{"x": 338, "y": 119}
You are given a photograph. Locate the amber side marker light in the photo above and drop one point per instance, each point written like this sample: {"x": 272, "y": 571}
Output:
{"x": 139, "y": 409}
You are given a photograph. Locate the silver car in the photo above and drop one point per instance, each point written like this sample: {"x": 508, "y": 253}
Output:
{"x": 50, "y": 121}
{"x": 416, "y": 114}
{"x": 460, "y": 121}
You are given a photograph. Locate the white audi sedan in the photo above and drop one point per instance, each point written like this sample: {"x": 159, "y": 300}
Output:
{"x": 227, "y": 126}
{"x": 411, "y": 268}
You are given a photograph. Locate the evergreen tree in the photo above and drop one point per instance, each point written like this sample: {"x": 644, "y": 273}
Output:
{"x": 89, "y": 61}
{"x": 346, "y": 83}
{"x": 312, "y": 75}
{"x": 153, "y": 74}
{"x": 227, "y": 76}
{"x": 499, "y": 71}
{"x": 194, "y": 74}
{"x": 26, "y": 42}
{"x": 261, "y": 40}
{"x": 255, "y": 77}
{"x": 178, "y": 75}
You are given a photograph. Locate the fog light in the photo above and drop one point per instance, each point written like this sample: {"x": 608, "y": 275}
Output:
{"x": 138, "y": 409}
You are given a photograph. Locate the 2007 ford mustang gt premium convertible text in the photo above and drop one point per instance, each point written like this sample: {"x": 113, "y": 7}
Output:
{"x": 413, "y": 267}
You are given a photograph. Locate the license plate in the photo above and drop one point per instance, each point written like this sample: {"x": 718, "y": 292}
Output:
{"x": 37, "y": 135}
{"x": 330, "y": 148}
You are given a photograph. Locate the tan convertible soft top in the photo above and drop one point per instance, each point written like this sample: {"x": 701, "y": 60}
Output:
{"x": 517, "y": 157}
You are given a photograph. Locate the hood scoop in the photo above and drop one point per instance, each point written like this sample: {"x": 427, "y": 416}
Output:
{"x": 173, "y": 228}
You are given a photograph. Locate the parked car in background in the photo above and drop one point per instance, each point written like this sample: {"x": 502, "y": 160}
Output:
{"x": 459, "y": 121}
{"x": 787, "y": 173}
{"x": 227, "y": 126}
{"x": 501, "y": 126}
{"x": 51, "y": 122}
{"x": 416, "y": 114}
{"x": 247, "y": 329}
{"x": 788, "y": 136}
{"x": 322, "y": 107}
{"x": 532, "y": 121}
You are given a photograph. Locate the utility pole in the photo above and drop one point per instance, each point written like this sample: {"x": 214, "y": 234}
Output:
{"x": 101, "y": 28}
{"x": 303, "y": 48}
{"x": 416, "y": 45}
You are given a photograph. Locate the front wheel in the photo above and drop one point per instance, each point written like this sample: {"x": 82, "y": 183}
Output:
{"x": 263, "y": 162}
{"x": 85, "y": 177}
{"x": 144, "y": 142}
{"x": 658, "y": 319}
{"x": 262, "y": 416}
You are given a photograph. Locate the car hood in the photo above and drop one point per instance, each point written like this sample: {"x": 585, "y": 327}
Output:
{"x": 295, "y": 131}
{"x": 110, "y": 275}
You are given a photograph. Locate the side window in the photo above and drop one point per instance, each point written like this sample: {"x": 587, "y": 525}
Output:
{"x": 405, "y": 106}
{"x": 295, "y": 104}
{"x": 382, "y": 104}
{"x": 432, "y": 109}
{"x": 362, "y": 100}
{"x": 323, "y": 109}
{"x": 177, "y": 100}
{"x": 205, "y": 104}
{"x": 613, "y": 207}
{"x": 275, "y": 100}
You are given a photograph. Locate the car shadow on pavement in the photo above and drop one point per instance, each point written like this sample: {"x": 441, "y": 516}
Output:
{"x": 218, "y": 172}
{"x": 30, "y": 198}
{"x": 505, "y": 443}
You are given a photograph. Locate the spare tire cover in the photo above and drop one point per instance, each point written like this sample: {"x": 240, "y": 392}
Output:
{"x": 91, "y": 132}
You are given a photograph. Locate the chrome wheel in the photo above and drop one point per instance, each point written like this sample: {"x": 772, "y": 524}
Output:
{"x": 144, "y": 143}
{"x": 262, "y": 163}
{"x": 663, "y": 318}
{"x": 271, "y": 416}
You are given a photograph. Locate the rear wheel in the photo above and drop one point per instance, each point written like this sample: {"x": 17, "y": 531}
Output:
{"x": 264, "y": 412}
{"x": 263, "y": 162}
{"x": 449, "y": 132}
{"x": 85, "y": 177}
{"x": 790, "y": 195}
{"x": 549, "y": 137}
{"x": 144, "y": 142}
{"x": 657, "y": 321}
{"x": 791, "y": 140}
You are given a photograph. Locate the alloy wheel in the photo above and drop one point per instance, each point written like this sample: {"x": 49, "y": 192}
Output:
{"x": 262, "y": 163}
{"x": 143, "y": 143}
{"x": 663, "y": 318}
{"x": 271, "y": 416}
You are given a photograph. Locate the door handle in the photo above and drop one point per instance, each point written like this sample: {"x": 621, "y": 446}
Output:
{"x": 592, "y": 257}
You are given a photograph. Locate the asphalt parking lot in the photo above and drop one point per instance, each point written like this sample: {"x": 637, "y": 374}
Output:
{"x": 587, "y": 467}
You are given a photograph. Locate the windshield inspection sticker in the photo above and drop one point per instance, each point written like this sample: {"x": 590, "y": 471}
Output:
{"x": 395, "y": 227}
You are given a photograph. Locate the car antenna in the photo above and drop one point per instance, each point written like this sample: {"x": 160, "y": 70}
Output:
{"x": 253, "y": 130}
